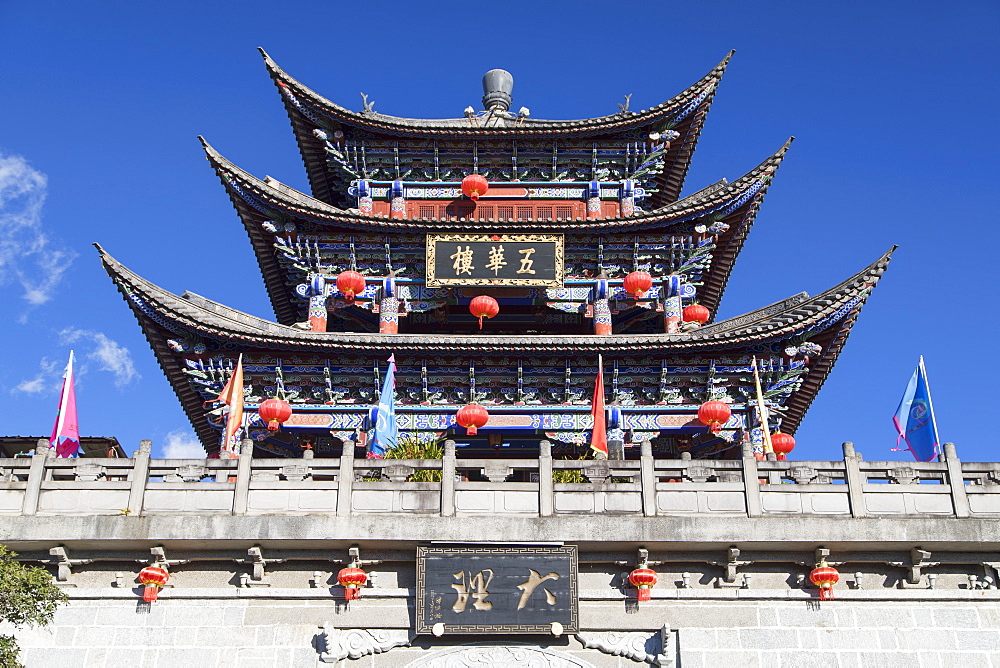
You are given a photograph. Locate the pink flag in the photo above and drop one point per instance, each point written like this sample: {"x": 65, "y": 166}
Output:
{"x": 66, "y": 432}
{"x": 232, "y": 394}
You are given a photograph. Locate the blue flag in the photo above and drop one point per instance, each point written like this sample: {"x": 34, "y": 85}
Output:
{"x": 386, "y": 430}
{"x": 914, "y": 419}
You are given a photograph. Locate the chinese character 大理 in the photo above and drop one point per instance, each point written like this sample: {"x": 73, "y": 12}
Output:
{"x": 475, "y": 585}
{"x": 463, "y": 260}
{"x": 533, "y": 581}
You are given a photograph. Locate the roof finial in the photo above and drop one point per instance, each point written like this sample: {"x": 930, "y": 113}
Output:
{"x": 497, "y": 88}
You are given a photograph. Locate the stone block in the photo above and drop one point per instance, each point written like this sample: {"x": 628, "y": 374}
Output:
{"x": 621, "y": 502}
{"x": 698, "y": 639}
{"x": 725, "y": 502}
{"x": 693, "y": 660}
{"x": 982, "y": 639}
{"x": 220, "y": 636}
{"x": 265, "y": 636}
{"x": 123, "y": 615}
{"x": 809, "y": 638}
{"x": 799, "y": 659}
{"x": 96, "y": 658}
{"x": 808, "y": 613}
{"x": 887, "y": 640}
{"x": 91, "y": 636}
{"x": 195, "y": 657}
{"x": 731, "y": 659}
{"x": 768, "y": 614}
{"x": 143, "y": 636}
{"x": 847, "y": 639}
{"x": 53, "y": 656}
{"x": 677, "y": 502}
{"x": 955, "y": 617}
{"x": 930, "y": 639}
{"x": 769, "y": 639}
{"x": 520, "y": 502}
{"x": 874, "y": 616}
{"x": 74, "y": 614}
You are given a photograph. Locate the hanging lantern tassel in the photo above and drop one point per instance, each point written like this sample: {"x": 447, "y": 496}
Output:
{"x": 643, "y": 579}
{"x": 472, "y": 417}
{"x": 352, "y": 579}
{"x": 152, "y": 578}
{"x": 824, "y": 576}
{"x": 714, "y": 414}
{"x": 275, "y": 412}
{"x": 484, "y": 306}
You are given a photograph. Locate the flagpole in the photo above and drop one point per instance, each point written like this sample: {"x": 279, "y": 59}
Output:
{"x": 762, "y": 410}
{"x": 63, "y": 398}
{"x": 930, "y": 405}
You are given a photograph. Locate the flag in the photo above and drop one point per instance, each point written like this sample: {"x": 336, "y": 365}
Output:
{"x": 914, "y": 419}
{"x": 386, "y": 430}
{"x": 599, "y": 434}
{"x": 66, "y": 431}
{"x": 765, "y": 418}
{"x": 232, "y": 395}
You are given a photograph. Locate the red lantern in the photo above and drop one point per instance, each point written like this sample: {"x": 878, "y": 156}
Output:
{"x": 782, "y": 444}
{"x": 824, "y": 576}
{"x": 474, "y": 185}
{"x": 352, "y": 579}
{"x": 484, "y": 306}
{"x": 472, "y": 417}
{"x": 350, "y": 284}
{"x": 274, "y": 412}
{"x": 714, "y": 414}
{"x": 643, "y": 579}
{"x": 153, "y": 578}
{"x": 638, "y": 284}
{"x": 696, "y": 313}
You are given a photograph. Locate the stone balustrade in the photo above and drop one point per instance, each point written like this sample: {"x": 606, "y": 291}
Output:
{"x": 453, "y": 486}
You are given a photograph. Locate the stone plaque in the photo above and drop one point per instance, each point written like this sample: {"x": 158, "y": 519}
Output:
{"x": 494, "y": 590}
{"x": 495, "y": 259}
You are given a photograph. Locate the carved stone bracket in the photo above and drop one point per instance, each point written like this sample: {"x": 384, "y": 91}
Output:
{"x": 699, "y": 473}
{"x": 657, "y": 648}
{"x": 340, "y": 644}
{"x": 497, "y": 472}
{"x": 597, "y": 473}
{"x": 296, "y": 472}
{"x": 399, "y": 472}
{"x": 89, "y": 472}
{"x": 63, "y": 563}
{"x": 904, "y": 475}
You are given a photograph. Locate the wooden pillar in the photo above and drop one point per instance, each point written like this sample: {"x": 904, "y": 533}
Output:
{"x": 388, "y": 318}
{"x": 397, "y": 204}
{"x": 317, "y": 304}
{"x": 602, "y": 309}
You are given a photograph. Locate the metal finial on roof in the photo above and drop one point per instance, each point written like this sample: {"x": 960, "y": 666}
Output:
{"x": 497, "y": 88}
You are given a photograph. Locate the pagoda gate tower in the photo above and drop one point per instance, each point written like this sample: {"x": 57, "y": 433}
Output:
{"x": 510, "y": 268}
{"x": 572, "y": 233}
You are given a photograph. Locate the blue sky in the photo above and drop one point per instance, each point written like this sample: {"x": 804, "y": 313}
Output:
{"x": 893, "y": 105}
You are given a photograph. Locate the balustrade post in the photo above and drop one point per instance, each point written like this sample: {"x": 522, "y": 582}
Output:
{"x": 345, "y": 479}
{"x": 448, "y": 466}
{"x": 751, "y": 482}
{"x": 647, "y": 479}
{"x": 959, "y": 496}
{"x": 855, "y": 481}
{"x": 241, "y": 495}
{"x": 36, "y": 474}
{"x": 545, "y": 487}
{"x": 139, "y": 477}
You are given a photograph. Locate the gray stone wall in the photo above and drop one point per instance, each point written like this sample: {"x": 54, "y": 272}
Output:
{"x": 199, "y": 629}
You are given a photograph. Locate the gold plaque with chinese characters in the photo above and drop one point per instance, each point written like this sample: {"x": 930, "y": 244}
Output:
{"x": 504, "y": 589}
{"x": 495, "y": 259}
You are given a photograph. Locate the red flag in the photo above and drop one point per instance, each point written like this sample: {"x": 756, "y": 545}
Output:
{"x": 232, "y": 394}
{"x": 599, "y": 434}
{"x": 65, "y": 439}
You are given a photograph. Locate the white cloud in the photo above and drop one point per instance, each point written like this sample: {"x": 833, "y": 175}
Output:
{"x": 26, "y": 254}
{"x": 110, "y": 356}
{"x": 48, "y": 379}
{"x": 181, "y": 444}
